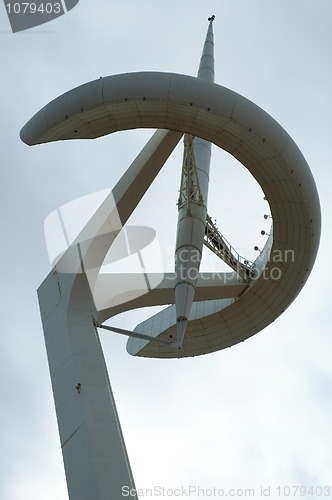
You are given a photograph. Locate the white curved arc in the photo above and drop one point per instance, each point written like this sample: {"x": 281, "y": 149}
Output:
{"x": 190, "y": 105}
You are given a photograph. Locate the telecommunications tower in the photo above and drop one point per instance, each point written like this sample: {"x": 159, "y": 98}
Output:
{"x": 203, "y": 315}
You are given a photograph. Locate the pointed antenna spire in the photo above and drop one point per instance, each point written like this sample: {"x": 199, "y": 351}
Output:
{"x": 206, "y": 66}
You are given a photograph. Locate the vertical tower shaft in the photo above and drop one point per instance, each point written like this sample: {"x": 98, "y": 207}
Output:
{"x": 192, "y": 206}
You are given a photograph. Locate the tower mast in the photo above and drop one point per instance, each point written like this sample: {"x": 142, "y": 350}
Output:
{"x": 192, "y": 205}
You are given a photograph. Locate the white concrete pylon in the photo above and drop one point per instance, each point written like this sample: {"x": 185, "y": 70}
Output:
{"x": 93, "y": 448}
{"x": 192, "y": 214}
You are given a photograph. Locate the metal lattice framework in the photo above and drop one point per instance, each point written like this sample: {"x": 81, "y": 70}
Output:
{"x": 218, "y": 244}
{"x": 189, "y": 188}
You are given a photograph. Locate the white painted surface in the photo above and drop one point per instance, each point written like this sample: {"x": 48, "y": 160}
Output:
{"x": 230, "y": 121}
{"x": 93, "y": 448}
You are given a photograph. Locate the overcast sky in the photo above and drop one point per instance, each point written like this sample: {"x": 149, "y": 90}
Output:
{"x": 256, "y": 415}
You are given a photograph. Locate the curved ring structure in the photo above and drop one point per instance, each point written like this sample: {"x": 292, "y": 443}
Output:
{"x": 233, "y": 123}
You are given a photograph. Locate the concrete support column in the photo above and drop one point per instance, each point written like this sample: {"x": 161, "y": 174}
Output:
{"x": 93, "y": 448}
